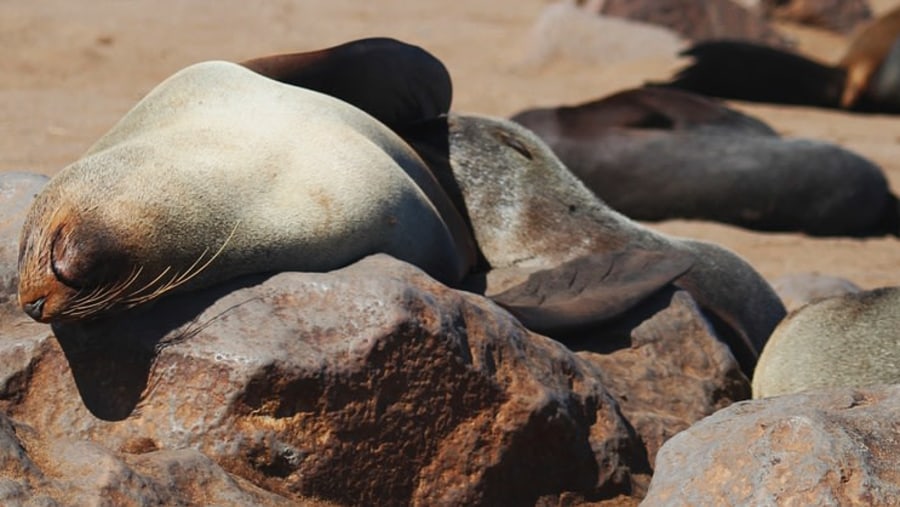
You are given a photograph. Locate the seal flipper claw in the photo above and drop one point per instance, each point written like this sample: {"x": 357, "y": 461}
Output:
{"x": 397, "y": 83}
{"x": 591, "y": 289}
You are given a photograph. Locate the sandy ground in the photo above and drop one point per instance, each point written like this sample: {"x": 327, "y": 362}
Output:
{"x": 69, "y": 70}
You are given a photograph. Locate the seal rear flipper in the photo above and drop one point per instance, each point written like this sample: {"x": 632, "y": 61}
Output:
{"x": 758, "y": 73}
{"x": 397, "y": 83}
{"x": 591, "y": 289}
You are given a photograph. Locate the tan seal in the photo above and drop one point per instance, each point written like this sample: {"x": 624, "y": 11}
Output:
{"x": 867, "y": 55}
{"x": 219, "y": 166}
{"x": 850, "y": 340}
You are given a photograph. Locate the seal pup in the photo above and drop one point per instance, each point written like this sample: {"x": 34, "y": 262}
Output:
{"x": 865, "y": 79}
{"x": 318, "y": 195}
{"x": 660, "y": 153}
{"x": 852, "y": 340}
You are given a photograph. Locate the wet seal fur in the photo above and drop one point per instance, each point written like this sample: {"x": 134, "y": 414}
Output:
{"x": 179, "y": 198}
{"x": 659, "y": 153}
{"x": 850, "y": 340}
{"x": 866, "y": 79}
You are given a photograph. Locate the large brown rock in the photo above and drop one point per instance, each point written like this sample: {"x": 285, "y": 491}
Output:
{"x": 698, "y": 20}
{"x": 63, "y": 472}
{"x": 675, "y": 372}
{"x": 836, "y": 447}
{"x": 371, "y": 384}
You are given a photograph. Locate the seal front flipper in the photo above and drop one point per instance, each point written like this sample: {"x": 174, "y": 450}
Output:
{"x": 397, "y": 83}
{"x": 588, "y": 290}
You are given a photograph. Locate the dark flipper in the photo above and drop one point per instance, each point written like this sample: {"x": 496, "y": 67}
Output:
{"x": 753, "y": 72}
{"x": 653, "y": 108}
{"x": 397, "y": 83}
{"x": 592, "y": 289}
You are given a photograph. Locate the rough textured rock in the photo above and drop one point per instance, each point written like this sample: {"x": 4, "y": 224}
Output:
{"x": 674, "y": 373}
{"x": 698, "y": 20}
{"x": 423, "y": 395}
{"x": 64, "y": 472}
{"x": 837, "y": 15}
{"x": 834, "y": 447}
{"x": 798, "y": 289}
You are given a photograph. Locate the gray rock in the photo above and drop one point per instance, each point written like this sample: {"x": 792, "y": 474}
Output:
{"x": 798, "y": 289}
{"x": 836, "y": 447}
{"x": 17, "y": 190}
{"x": 698, "y": 20}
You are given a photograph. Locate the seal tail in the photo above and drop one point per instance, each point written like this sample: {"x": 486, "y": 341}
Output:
{"x": 757, "y": 73}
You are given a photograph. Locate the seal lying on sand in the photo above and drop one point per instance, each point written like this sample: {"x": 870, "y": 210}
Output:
{"x": 852, "y": 340}
{"x": 657, "y": 153}
{"x": 867, "y": 78}
{"x": 221, "y": 171}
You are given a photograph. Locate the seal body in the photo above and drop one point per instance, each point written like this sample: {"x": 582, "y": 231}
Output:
{"x": 221, "y": 162}
{"x": 850, "y": 340}
{"x": 867, "y": 58}
{"x": 865, "y": 79}
{"x": 656, "y": 154}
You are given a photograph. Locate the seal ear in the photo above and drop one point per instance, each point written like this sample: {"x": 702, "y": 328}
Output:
{"x": 397, "y": 83}
{"x": 591, "y": 289}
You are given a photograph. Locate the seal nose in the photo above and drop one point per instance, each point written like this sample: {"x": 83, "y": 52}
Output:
{"x": 35, "y": 309}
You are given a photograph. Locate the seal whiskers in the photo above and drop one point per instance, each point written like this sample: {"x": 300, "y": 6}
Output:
{"x": 177, "y": 280}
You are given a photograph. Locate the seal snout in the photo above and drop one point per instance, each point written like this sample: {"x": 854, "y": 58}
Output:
{"x": 35, "y": 309}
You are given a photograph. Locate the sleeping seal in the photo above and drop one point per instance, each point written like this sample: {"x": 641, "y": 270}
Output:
{"x": 658, "y": 153}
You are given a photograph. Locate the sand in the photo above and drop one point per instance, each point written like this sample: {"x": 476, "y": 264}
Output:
{"x": 69, "y": 70}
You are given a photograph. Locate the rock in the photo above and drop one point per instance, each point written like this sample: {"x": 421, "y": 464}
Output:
{"x": 17, "y": 190}
{"x": 836, "y": 15}
{"x": 564, "y": 31}
{"x": 425, "y": 395}
{"x": 834, "y": 447}
{"x": 798, "y": 289}
{"x": 675, "y": 372}
{"x": 63, "y": 472}
{"x": 698, "y": 20}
